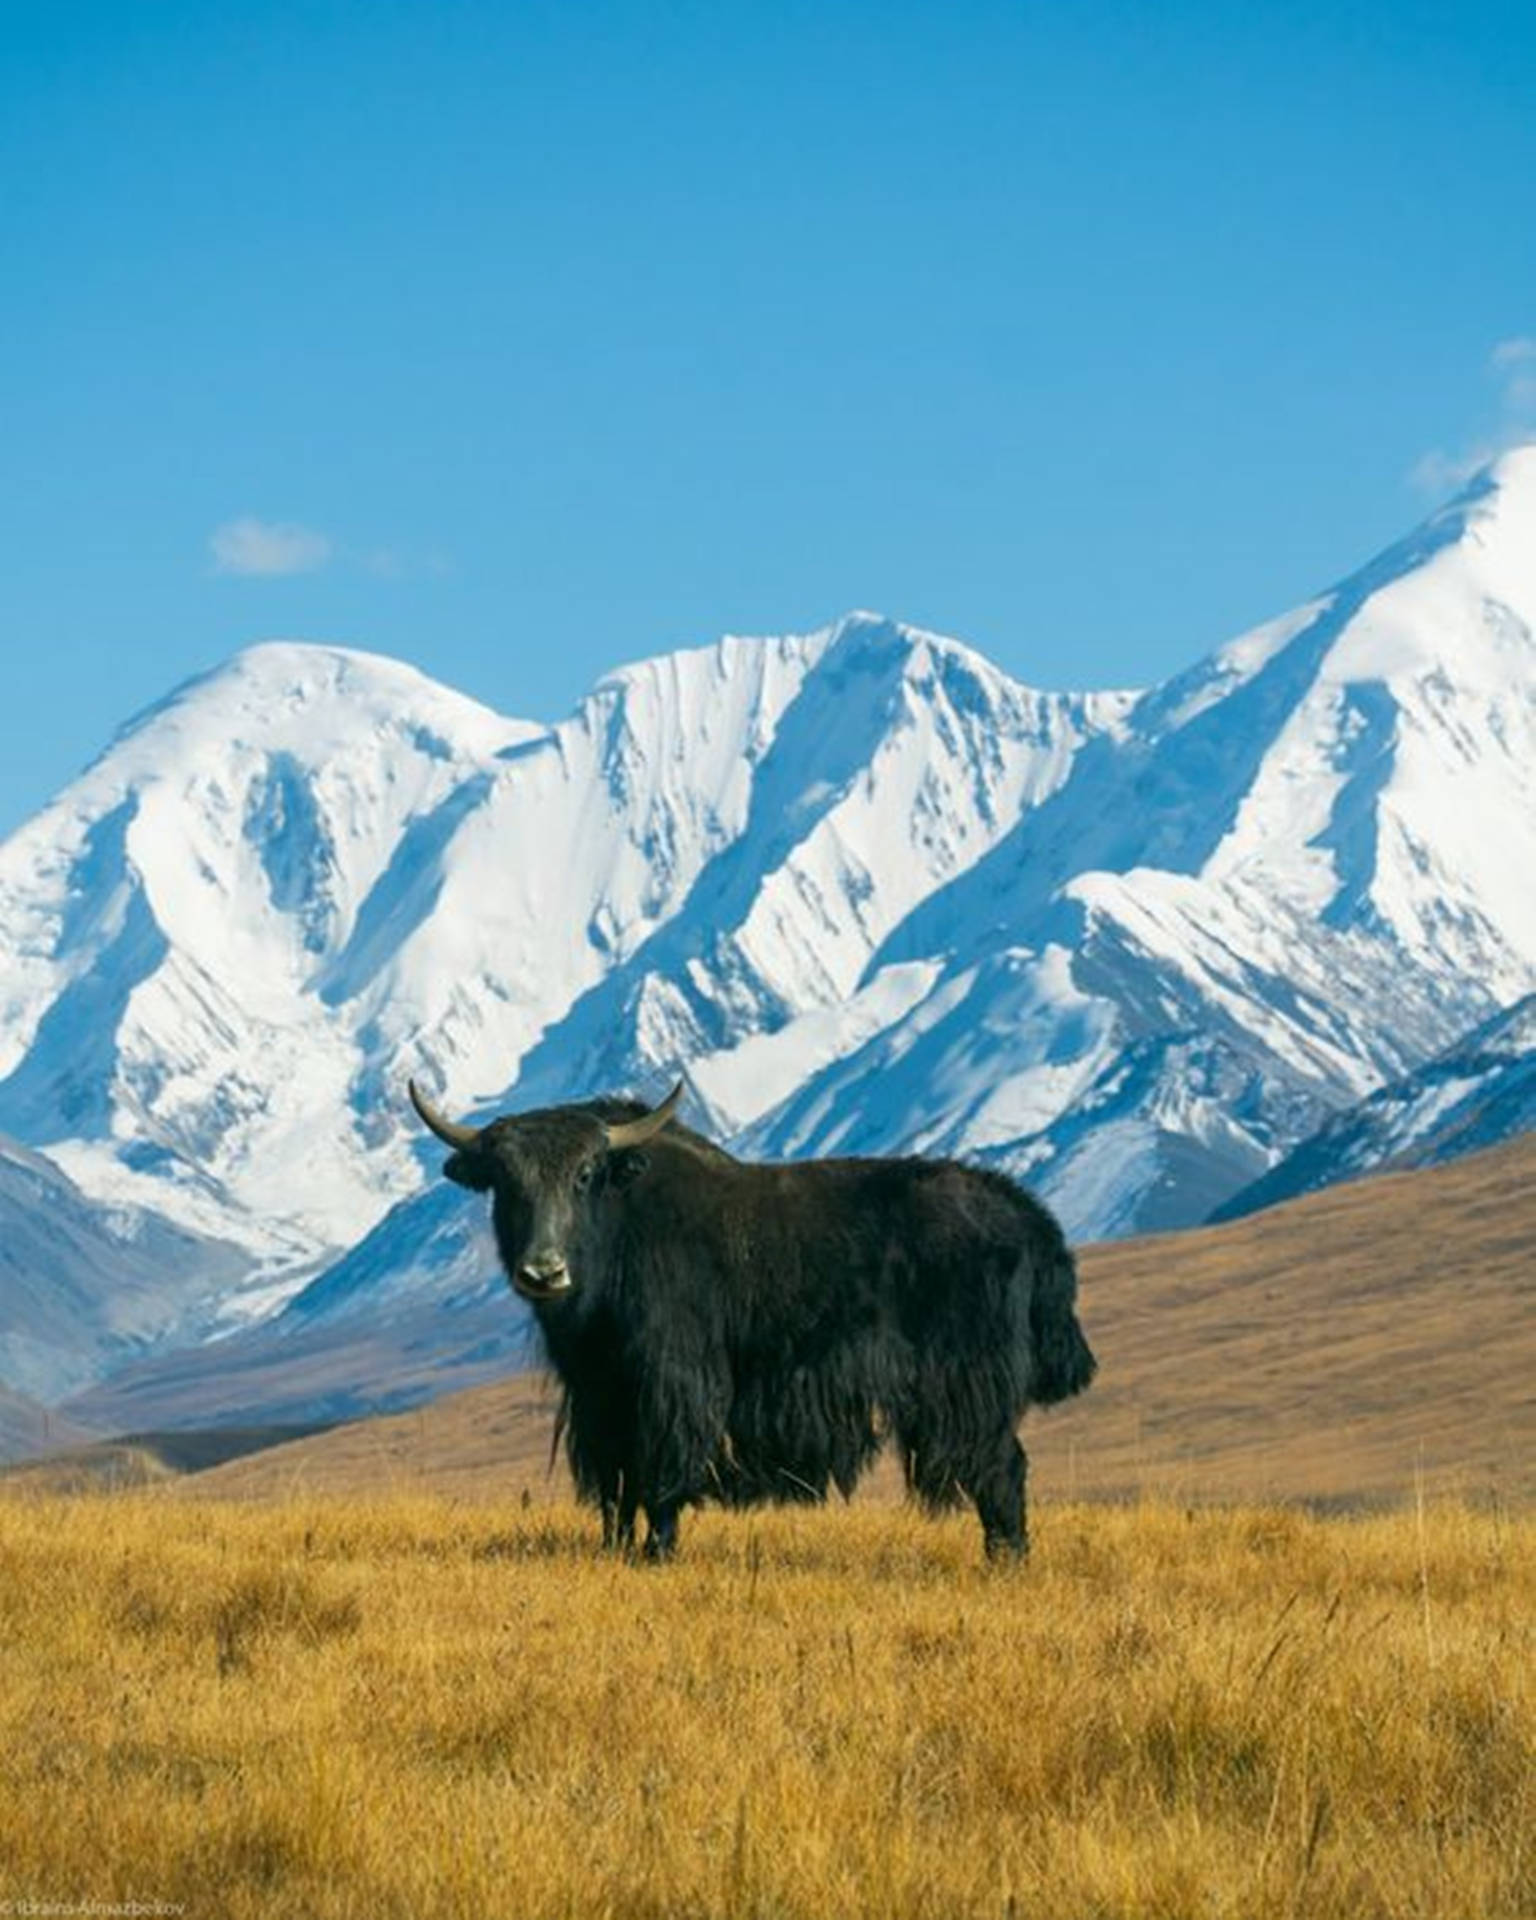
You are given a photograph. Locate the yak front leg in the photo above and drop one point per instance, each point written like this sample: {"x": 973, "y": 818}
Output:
{"x": 683, "y": 1413}
{"x": 619, "y": 1509}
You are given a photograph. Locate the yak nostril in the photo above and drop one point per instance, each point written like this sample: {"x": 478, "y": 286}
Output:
{"x": 544, "y": 1270}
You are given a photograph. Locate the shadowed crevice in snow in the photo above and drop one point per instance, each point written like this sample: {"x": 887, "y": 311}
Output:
{"x": 284, "y": 823}
{"x": 1367, "y": 739}
{"x": 404, "y": 895}
{"x": 845, "y": 707}
{"x": 97, "y": 876}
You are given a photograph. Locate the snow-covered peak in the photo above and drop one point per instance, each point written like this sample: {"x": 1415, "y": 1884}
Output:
{"x": 900, "y": 761}
{"x": 310, "y": 700}
{"x": 1504, "y": 491}
{"x": 244, "y": 818}
{"x": 1401, "y": 768}
{"x": 927, "y": 660}
{"x": 171, "y": 918}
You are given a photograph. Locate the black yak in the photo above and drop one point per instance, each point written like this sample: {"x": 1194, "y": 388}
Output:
{"x": 741, "y": 1332}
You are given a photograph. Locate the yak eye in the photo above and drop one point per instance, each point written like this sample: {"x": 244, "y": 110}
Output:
{"x": 584, "y": 1174}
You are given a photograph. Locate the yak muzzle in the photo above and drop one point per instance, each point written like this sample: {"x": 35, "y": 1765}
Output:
{"x": 543, "y": 1278}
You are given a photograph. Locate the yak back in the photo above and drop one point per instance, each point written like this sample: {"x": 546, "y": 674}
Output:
{"x": 904, "y": 1263}
{"x": 832, "y": 1225}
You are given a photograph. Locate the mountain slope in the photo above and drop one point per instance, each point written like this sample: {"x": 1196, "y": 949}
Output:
{"x": 84, "y": 1289}
{"x": 1479, "y": 1091}
{"x": 27, "y": 1427}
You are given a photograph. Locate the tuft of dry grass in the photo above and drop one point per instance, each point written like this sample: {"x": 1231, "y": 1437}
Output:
{"x": 410, "y": 1705}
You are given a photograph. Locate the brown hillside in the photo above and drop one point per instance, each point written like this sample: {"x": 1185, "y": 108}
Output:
{"x": 1350, "y": 1346}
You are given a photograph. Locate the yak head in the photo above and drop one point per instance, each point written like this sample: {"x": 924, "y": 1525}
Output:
{"x": 547, "y": 1174}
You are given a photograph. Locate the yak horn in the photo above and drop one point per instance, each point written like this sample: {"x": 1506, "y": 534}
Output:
{"x": 448, "y": 1131}
{"x": 635, "y": 1133}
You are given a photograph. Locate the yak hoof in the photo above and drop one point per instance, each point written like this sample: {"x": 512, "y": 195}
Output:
{"x": 661, "y": 1535}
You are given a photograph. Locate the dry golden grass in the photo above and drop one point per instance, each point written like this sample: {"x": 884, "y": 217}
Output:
{"x": 408, "y": 1706}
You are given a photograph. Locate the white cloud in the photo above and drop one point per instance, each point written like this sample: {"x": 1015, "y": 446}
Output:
{"x": 1514, "y": 362}
{"x": 1512, "y": 365}
{"x": 1435, "y": 473}
{"x": 267, "y": 547}
{"x": 396, "y": 563}
{"x": 1514, "y": 353}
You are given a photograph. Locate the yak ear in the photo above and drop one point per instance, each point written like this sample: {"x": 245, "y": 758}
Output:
{"x": 468, "y": 1170}
{"x": 627, "y": 1165}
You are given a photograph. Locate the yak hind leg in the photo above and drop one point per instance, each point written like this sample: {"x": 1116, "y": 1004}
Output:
{"x": 997, "y": 1486}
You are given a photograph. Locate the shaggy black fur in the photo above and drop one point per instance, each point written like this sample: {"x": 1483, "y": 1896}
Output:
{"x": 739, "y": 1332}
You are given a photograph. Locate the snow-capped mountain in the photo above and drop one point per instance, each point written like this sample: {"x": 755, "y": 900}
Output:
{"x": 1255, "y": 893}
{"x": 313, "y": 871}
{"x": 1295, "y": 871}
{"x": 187, "y": 924}
{"x": 867, "y": 891}
{"x": 1476, "y": 1093}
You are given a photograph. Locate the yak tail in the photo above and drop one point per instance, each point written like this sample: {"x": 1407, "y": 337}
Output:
{"x": 1063, "y": 1360}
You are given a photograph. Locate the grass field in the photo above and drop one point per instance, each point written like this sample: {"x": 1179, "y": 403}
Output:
{"x": 411, "y": 1706}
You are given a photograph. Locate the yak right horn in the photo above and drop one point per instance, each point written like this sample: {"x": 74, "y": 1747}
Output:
{"x": 448, "y": 1131}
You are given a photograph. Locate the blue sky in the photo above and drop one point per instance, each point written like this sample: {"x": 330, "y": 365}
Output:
{"x": 519, "y": 340}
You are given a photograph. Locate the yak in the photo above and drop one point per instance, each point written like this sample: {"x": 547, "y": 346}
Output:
{"x": 741, "y": 1332}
